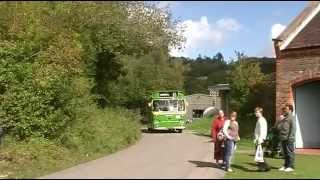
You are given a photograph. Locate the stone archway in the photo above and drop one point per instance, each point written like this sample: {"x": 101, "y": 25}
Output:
{"x": 306, "y": 94}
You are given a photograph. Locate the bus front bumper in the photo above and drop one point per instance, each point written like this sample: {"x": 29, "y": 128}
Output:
{"x": 166, "y": 128}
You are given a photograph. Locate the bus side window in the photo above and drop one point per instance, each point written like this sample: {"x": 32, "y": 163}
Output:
{"x": 155, "y": 106}
{"x": 181, "y": 105}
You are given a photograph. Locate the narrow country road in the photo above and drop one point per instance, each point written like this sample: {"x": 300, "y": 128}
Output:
{"x": 156, "y": 155}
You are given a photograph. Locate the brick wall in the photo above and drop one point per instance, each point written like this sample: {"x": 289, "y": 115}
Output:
{"x": 295, "y": 67}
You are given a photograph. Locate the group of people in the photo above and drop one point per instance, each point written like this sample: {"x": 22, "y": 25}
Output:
{"x": 225, "y": 135}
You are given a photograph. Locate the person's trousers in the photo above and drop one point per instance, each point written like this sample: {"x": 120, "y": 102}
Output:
{"x": 288, "y": 153}
{"x": 218, "y": 150}
{"x": 229, "y": 149}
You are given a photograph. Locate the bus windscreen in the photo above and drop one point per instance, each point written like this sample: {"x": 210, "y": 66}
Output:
{"x": 168, "y": 105}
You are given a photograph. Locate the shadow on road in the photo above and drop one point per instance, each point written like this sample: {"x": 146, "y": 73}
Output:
{"x": 205, "y": 164}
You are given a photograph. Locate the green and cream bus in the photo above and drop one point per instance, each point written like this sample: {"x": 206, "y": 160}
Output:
{"x": 167, "y": 111}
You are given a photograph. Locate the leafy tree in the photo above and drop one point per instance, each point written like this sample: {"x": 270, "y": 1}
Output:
{"x": 214, "y": 69}
{"x": 250, "y": 88}
{"x": 153, "y": 71}
{"x": 244, "y": 75}
{"x": 56, "y": 57}
{"x": 219, "y": 57}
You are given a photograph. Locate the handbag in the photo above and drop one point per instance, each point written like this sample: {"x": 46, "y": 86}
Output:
{"x": 220, "y": 135}
{"x": 259, "y": 154}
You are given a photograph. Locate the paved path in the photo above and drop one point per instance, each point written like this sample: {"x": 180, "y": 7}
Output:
{"x": 156, "y": 155}
{"x": 308, "y": 151}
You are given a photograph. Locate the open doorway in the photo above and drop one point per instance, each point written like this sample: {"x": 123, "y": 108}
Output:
{"x": 307, "y": 110}
{"x": 197, "y": 113}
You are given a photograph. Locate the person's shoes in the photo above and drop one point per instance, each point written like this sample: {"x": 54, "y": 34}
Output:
{"x": 230, "y": 170}
{"x": 223, "y": 165}
{"x": 289, "y": 169}
{"x": 260, "y": 170}
{"x": 3, "y": 176}
{"x": 267, "y": 169}
{"x": 282, "y": 168}
{"x": 263, "y": 170}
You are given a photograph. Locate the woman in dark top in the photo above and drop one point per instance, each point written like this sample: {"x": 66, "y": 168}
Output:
{"x": 217, "y": 136}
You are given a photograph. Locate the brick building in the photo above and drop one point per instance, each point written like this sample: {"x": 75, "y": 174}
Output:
{"x": 298, "y": 73}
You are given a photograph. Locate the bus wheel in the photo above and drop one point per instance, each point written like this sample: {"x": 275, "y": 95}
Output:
{"x": 179, "y": 130}
{"x": 150, "y": 130}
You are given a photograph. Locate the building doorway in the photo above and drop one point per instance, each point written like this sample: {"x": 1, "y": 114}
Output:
{"x": 307, "y": 111}
{"x": 197, "y": 113}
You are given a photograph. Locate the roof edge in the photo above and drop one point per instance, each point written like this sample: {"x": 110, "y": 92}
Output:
{"x": 298, "y": 24}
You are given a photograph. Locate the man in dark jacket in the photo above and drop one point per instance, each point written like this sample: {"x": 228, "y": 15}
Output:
{"x": 287, "y": 129}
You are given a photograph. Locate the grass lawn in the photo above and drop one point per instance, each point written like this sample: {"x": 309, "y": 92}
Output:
{"x": 201, "y": 126}
{"x": 244, "y": 166}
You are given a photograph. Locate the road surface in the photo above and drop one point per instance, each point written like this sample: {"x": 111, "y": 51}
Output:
{"x": 156, "y": 155}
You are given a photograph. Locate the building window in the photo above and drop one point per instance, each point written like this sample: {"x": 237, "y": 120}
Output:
{"x": 214, "y": 93}
{"x": 197, "y": 113}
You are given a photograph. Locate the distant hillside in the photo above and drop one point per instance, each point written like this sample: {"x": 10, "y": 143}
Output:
{"x": 206, "y": 71}
{"x": 268, "y": 65}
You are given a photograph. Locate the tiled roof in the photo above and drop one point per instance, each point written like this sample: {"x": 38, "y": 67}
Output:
{"x": 301, "y": 32}
{"x": 309, "y": 36}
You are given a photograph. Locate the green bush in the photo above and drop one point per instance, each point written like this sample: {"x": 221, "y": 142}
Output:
{"x": 98, "y": 130}
{"x": 32, "y": 158}
{"x": 36, "y": 97}
{"x": 41, "y": 60}
{"x": 59, "y": 59}
{"x": 95, "y": 135}
{"x": 250, "y": 87}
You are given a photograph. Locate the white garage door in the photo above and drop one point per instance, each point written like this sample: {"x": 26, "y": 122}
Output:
{"x": 307, "y": 106}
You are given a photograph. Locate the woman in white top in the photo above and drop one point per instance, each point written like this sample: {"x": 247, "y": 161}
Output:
{"x": 231, "y": 132}
{"x": 260, "y": 134}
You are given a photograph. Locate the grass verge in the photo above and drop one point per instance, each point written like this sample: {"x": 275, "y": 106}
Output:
{"x": 245, "y": 168}
{"x": 201, "y": 126}
{"x": 104, "y": 132}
